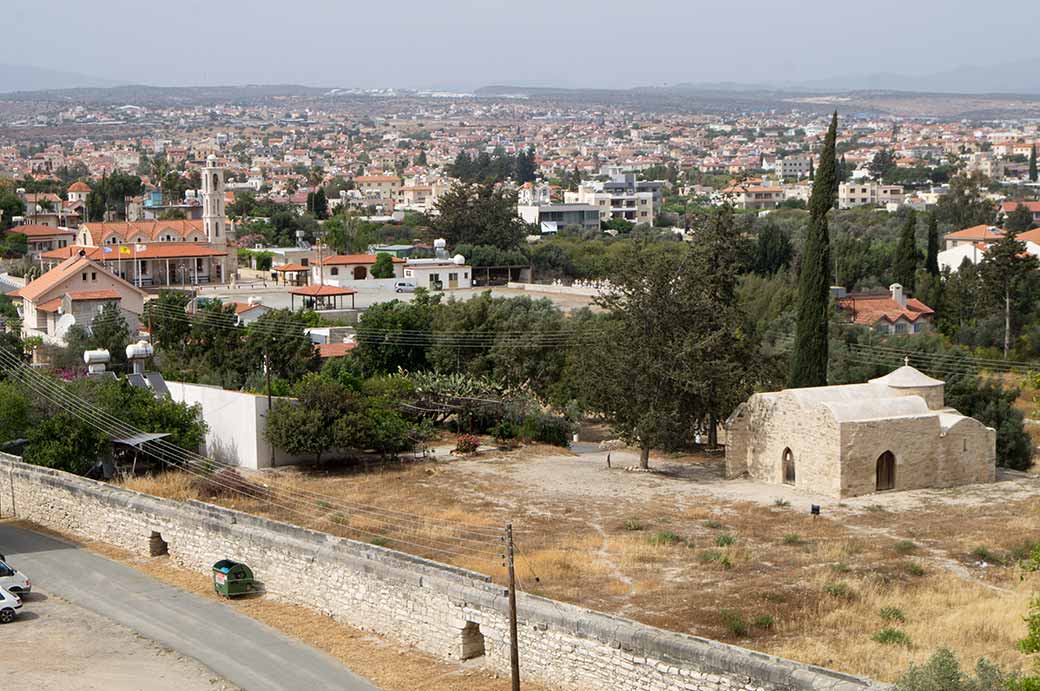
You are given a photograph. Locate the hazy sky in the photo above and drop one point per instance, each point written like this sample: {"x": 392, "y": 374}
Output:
{"x": 447, "y": 43}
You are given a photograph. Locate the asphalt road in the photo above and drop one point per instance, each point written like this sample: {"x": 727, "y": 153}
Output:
{"x": 239, "y": 649}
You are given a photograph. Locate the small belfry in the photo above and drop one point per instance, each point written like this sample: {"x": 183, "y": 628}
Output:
{"x": 214, "y": 221}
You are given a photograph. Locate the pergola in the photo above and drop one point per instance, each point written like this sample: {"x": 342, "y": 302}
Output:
{"x": 323, "y": 297}
{"x": 300, "y": 273}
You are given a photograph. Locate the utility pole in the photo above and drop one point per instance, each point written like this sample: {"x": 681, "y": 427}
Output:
{"x": 514, "y": 650}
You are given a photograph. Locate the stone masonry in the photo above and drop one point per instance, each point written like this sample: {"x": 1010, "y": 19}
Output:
{"x": 436, "y": 608}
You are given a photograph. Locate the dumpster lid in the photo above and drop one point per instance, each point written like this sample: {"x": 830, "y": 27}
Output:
{"x": 225, "y": 565}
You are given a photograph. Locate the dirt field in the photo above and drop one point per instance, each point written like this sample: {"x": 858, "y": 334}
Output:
{"x": 684, "y": 549}
{"x": 55, "y": 644}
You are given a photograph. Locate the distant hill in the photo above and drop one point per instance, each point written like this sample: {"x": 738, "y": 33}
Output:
{"x": 28, "y": 78}
{"x": 1019, "y": 77}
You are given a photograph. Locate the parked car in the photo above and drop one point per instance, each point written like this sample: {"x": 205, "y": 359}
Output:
{"x": 13, "y": 580}
{"x": 404, "y": 287}
{"x": 9, "y": 606}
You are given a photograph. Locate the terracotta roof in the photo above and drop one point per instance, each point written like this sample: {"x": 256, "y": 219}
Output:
{"x": 61, "y": 273}
{"x": 156, "y": 250}
{"x": 327, "y": 350}
{"x": 341, "y": 259}
{"x": 980, "y": 232}
{"x": 290, "y": 267}
{"x": 243, "y": 307}
{"x": 321, "y": 291}
{"x": 109, "y": 294}
{"x": 377, "y": 178}
{"x": 79, "y": 186}
{"x": 1008, "y": 207}
{"x": 148, "y": 229}
{"x": 870, "y": 309}
{"x": 39, "y": 231}
{"x": 50, "y": 305}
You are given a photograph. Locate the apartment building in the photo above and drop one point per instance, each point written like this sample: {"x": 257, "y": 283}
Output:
{"x": 794, "y": 167}
{"x": 754, "y": 196}
{"x": 379, "y": 187}
{"x": 987, "y": 163}
{"x": 852, "y": 194}
{"x": 624, "y": 198}
{"x": 554, "y": 217}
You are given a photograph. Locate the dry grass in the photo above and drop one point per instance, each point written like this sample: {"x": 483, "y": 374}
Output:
{"x": 663, "y": 562}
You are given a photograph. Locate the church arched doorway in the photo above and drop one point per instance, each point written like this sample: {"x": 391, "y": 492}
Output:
{"x": 886, "y": 471}
{"x": 788, "y": 467}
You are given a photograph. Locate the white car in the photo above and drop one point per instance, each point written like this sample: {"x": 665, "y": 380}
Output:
{"x": 9, "y": 606}
{"x": 13, "y": 580}
{"x": 404, "y": 287}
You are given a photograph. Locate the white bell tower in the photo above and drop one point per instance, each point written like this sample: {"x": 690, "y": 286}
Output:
{"x": 214, "y": 222}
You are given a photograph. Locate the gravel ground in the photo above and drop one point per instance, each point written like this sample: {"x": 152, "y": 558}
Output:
{"x": 55, "y": 644}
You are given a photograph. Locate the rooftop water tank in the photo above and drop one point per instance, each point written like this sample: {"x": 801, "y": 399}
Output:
{"x": 96, "y": 357}
{"x": 141, "y": 350}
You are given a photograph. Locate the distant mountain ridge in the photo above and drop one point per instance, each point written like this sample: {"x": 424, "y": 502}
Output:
{"x": 29, "y": 78}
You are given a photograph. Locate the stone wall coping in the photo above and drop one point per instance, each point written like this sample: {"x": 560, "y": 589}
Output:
{"x": 466, "y": 586}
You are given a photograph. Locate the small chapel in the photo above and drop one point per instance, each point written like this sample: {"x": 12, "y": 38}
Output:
{"x": 891, "y": 433}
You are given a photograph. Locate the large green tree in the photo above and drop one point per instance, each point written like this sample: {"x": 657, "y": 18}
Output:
{"x": 907, "y": 256}
{"x": 109, "y": 330}
{"x": 384, "y": 266}
{"x": 931, "y": 262}
{"x": 1003, "y": 270}
{"x": 809, "y": 360}
{"x": 964, "y": 205}
{"x": 773, "y": 250}
{"x": 479, "y": 214}
{"x": 1020, "y": 219}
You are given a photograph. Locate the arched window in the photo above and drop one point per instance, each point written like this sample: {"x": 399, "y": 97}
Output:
{"x": 215, "y": 183}
{"x": 788, "y": 467}
{"x": 886, "y": 471}
{"x": 334, "y": 271}
{"x": 360, "y": 273}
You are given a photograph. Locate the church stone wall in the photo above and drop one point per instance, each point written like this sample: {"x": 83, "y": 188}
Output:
{"x": 775, "y": 422}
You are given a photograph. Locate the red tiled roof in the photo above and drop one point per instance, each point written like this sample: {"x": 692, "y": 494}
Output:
{"x": 980, "y": 232}
{"x": 327, "y": 350}
{"x": 79, "y": 186}
{"x": 870, "y": 309}
{"x": 290, "y": 267}
{"x": 321, "y": 291}
{"x": 50, "y": 305}
{"x": 148, "y": 229}
{"x": 39, "y": 231}
{"x": 1008, "y": 207}
{"x": 156, "y": 250}
{"x": 243, "y": 307}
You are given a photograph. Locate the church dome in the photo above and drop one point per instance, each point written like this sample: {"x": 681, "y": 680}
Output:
{"x": 906, "y": 377}
{"x": 79, "y": 186}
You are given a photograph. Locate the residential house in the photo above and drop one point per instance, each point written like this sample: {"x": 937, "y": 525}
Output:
{"x": 347, "y": 269}
{"x": 74, "y": 292}
{"x": 886, "y": 313}
{"x": 1034, "y": 208}
{"x": 379, "y": 188}
{"x": 852, "y": 194}
{"x": 983, "y": 234}
{"x": 560, "y": 216}
{"x": 41, "y": 238}
{"x": 754, "y": 195}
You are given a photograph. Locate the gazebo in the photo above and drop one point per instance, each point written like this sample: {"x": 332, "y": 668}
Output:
{"x": 299, "y": 274}
{"x": 322, "y": 297}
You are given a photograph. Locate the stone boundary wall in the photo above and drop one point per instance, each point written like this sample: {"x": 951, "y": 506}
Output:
{"x": 550, "y": 288}
{"x": 409, "y": 599}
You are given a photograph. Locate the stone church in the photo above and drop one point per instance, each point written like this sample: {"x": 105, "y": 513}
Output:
{"x": 892, "y": 433}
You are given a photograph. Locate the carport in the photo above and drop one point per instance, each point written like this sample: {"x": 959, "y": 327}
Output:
{"x": 321, "y": 297}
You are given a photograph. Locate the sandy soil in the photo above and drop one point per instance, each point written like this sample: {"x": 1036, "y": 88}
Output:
{"x": 55, "y": 644}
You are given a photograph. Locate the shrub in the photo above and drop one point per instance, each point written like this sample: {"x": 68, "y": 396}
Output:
{"x": 725, "y": 540}
{"x": 379, "y": 541}
{"x": 228, "y": 482}
{"x": 840, "y": 567}
{"x": 467, "y": 443}
{"x": 764, "y": 621}
{"x": 546, "y": 428}
{"x": 793, "y": 539}
{"x": 505, "y": 431}
{"x": 943, "y": 673}
{"x": 915, "y": 569}
{"x": 714, "y": 555}
{"x": 1031, "y": 643}
{"x": 838, "y": 589}
{"x": 733, "y": 622}
{"x": 781, "y": 503}
{"x": 714, "y": 525}
{"x": 892, "y": 614}
{"x": 665, "y": 537}
{"x": 891, "y": 637}
{"x": 632, "y": 524}
{"x": 982, "y": 553}
{"x": 904, "y": 547}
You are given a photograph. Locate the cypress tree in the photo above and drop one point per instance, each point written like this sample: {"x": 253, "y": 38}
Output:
{"x": 812, "y": 173}
{"x": 1032, "y": 164}
{"x": 906, "y": 255}
{"x": 932, "y": 260}
{"x": 809, "y": 362}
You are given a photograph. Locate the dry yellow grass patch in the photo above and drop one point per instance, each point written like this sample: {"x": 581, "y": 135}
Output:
{"x": 969, "y": 618}
{"x": 170, "y": 484}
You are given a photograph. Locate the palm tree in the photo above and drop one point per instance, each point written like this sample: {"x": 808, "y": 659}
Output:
{"x": 160, "y": 168}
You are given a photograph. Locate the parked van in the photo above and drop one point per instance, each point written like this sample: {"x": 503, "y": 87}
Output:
{"x": 13, "y": 580}
{"x": 404, "y": 287}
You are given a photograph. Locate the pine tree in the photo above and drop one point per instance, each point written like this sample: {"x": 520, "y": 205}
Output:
{"x": 809, "y": 362}
{"x": 932, "y": 260}
{"x": 1032, "y": 164}
{"x": 906, "y": 255}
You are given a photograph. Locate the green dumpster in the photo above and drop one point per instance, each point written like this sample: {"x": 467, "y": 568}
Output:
{"x": 232, "y": 578}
